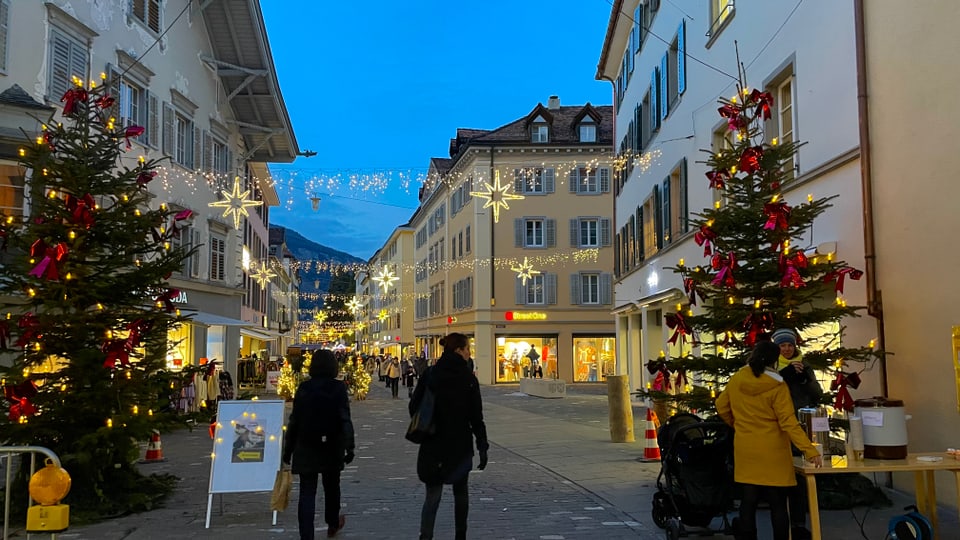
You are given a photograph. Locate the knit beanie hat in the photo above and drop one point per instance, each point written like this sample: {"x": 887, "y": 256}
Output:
{"x": 784, "y": 335}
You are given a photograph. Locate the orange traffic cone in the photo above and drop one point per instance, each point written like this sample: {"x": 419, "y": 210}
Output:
{"x": 651, "y": 449}
{"x": 154, "y": 449}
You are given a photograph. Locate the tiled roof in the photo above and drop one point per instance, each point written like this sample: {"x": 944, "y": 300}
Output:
{"x": 17, "y": 96}
{"x": 563, "y": 131}
{"x": 440, "y": 165}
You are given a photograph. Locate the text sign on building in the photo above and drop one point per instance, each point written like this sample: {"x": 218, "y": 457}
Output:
{"x": 525, "y": 316}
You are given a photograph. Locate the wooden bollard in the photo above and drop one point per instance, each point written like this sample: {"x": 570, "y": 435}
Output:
{"x": 621, "y": 411}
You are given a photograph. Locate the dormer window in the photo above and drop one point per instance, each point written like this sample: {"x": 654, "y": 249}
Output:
{"x": 588, "y": 132}
{"x": 539, "y": 133}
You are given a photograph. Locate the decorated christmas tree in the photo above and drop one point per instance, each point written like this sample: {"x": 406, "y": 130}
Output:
{"x": 86, "y": 306}
{"x": 758, "y": 274}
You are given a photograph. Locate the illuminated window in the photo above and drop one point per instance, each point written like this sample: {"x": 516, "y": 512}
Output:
{"x": 11, "y": 190}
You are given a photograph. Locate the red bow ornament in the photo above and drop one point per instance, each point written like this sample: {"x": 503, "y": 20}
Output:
{"x": 750, "y": 159}
{"x": 764, "y": 101}
{"x": 166, "y": 299}
{"x": 117, "y": 350}
{"x": 734, "y": 116}
{"x": 839, "y": 276}
{"x": 718, "y": 179}
{"x": 19, "y": 396}
{"x": 676, "y": 322}
{"x": 789, "y": 266}
{"x": 843, "y": 400}
{"x": 778, "y": 215}
{"x": 178, "y": 217}
{"x": 704, "y": 237}
{"x": 681, "y": 380}
{"x": 81, "y": 209}
{"x": 145, "y": 177}
{"x": 71, "y": 98}
{"x": 29, "y": 329}
{"x": 690, "y": 287}
{"x": 4, "y": 333}
{"x": 51, "y": 257}
{"x": 132, "y": 131}
{"x": 754, "y": 325}
{"x": 725, "y": 267}
{"x": 105, "y": 101}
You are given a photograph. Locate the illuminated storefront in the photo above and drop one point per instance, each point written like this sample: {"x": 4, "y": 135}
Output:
{"x": 594, "y": 357}
{"x": 519, "y": 357}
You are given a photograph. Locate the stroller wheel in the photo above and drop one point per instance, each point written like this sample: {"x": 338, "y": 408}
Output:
{"x": 661, "y": 512}
{"x": 673, "y": 529}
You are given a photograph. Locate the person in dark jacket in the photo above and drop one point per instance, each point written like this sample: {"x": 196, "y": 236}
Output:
{"x": 320, "y": 441}
{"x": 447, "y": 456}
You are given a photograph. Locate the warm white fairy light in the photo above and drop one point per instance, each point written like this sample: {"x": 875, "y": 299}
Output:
{"x": 385, "y": 279}
{"x": 355, "y": 305}
{"x": 496, "y": 196}
{"x": 263, "y": 275}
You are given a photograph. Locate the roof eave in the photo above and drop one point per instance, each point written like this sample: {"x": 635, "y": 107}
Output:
{"x": 603, "y": 69}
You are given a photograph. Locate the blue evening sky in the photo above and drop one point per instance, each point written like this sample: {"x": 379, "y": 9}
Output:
{"x": 377, "y": 88}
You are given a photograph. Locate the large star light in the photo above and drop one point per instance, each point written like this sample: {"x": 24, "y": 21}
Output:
{"x": 525, "y": 271}
{"x": 383, "y": 315}
{"x": 385, "y": 279}
{"x": 354, "y": 305}
{"x": 235, "y": 203}
{"x": 263, "y": 275}
{"x": 496, "y": 196}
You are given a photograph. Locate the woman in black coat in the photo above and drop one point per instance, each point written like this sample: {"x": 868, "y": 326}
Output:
{"x": 320, "y": 441}
{"x": 447, "y": 456}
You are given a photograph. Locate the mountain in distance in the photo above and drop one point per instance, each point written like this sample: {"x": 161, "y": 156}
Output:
{"x": 312, "y": 281}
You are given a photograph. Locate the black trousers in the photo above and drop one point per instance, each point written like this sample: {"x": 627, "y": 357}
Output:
{"x": 776, "y": 497}
{"x": 308, "y": 501}
{"x": 394, "y": 385}
{"x": 461, "y": 507}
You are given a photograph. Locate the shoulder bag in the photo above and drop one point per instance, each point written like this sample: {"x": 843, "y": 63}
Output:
{"x": 421, "y": 424}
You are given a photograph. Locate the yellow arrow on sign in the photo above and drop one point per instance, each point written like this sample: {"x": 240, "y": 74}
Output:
{"x": 250, "y": 456}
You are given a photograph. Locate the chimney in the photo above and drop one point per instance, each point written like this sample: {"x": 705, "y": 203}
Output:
{"x": 553, "y": 103}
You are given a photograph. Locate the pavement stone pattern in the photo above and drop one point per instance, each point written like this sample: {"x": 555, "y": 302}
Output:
{"x": 553, "y": 475}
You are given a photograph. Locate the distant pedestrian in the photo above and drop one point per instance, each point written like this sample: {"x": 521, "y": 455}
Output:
{"x": 447, "y": 456}
{"x": 319, "y": 441}
{"x": 393, "y": 376}
{"x": 409, "y": 376}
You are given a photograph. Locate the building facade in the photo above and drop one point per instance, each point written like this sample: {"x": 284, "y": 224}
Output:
{"x": 668, "y": 68}
{"x": 200, "y": 79}
{"x": 513, "y": 246}
{"x": 390, "y": 297}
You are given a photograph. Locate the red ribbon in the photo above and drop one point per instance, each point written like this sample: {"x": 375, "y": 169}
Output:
{"x": 167, "y": 299}
{"x": 105, "y": 101}
{"x": 843, "y": 400}
{"x": 117, "y": 350}
{"x": 789, "y": 265}
{"x": 704, "y": 237}
{"x": 71, "y": 98}
{"x": 734, "y": 116}
{"x": 48, "y": 138}
{"x": 756, "y": 324}
{"x": 29, "y": 329}
{"x": 750, "y": 159}
{"x": 840, "y": 274}
{"x": 778, "y": 214}
{"x": 81, "y": 209}
{"x": 4, "y": 333}
{"x": 179, "y": 216}
{"x": 132, "y": 131}
{"x": 681, "y": 380}
{"x": 718, "y": 179}
{"x": 19, "y": 396}
{"x": 725, "y": 265}
{"x": 47, "y": 267}
{"x": 764, "y": 101}
{"x": 145, "y": 177}
{"x": 690, "y": 287}
{"x": 676, "y": 322}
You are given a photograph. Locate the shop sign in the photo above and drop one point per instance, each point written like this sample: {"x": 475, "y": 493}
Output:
{"x": 180, "y": 298}
{"x": 525, "y": 316}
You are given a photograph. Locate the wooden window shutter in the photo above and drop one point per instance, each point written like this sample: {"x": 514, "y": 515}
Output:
{"x": 574, "y": 232}
{"x": 169, "y": 137}
{"x": 550, "y": 284}
{"x": 114, "y": 82}
{"x": 548, "y": 181}
{"x": 605, "y": 231}
{"x": 665, "y": 200}
{"x": 664, "y": 90}
{"x": 654, "y": 94}
{"x": 574, "y": 180}
{"x": 550, "y": 228}
{"x": 153, "y": 120}
{"x": 684, "y": 218}
{"x": 682, "y": 57}
{"x": 604, "y": 173}
{"x": 638, "y": 132}
{"x": 606, "y": 288}
{"x": 60, "y": 47}
{"x": 640, "y": 240}
{"x": 616, "y": 255}
{"x": 658, "y": 216}
{"x": 520, "y": 292}
{"x": 518, "y": 224}
{"x": 575, "y": 289}
{"x": 196, "y": 160}
{"x": 207, "y": 163}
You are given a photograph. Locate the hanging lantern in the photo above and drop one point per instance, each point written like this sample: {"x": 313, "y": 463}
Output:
{"x": 315, "y": 202}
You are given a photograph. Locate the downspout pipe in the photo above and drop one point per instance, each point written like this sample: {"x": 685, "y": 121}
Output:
{"x": 874, "y": 298}
{"x": 493, "y": 281}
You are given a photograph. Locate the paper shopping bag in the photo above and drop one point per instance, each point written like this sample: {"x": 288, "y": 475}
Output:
{"x": 282, "y": 486}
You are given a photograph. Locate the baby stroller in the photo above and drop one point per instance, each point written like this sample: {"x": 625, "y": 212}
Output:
{"x": 695, "y": 484}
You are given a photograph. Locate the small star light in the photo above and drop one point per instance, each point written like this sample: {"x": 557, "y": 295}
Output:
{"x": 354, "y": 305}
{"x": 525, "y": 271}
{"x": 385, "y": 279}
{"x": 235, "y": 203}
{"x": 382, "y": 316}
{"x": 496, "y": 196}
{"x": 320, "y": 316}
{"x": 263, "y": 275}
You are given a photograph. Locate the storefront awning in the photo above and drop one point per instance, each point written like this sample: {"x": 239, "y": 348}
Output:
{"x": 257, "y": 334}
{"x": 210, "y": 319}
{"x": 659, "y": 298}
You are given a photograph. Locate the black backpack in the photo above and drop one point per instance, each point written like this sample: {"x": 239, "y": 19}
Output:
{"x": 321, "y": 421}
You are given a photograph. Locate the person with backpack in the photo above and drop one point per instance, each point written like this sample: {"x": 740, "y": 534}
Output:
{"x": 319, "y": 442}
{"x": 446, "y": 457}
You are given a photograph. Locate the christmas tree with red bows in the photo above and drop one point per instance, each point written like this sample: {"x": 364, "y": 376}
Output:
{"x": 86, "y": 306}
{"x": 757, "y": 274}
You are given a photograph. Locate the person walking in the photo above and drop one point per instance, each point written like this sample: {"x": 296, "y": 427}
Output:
{"x": 409, "y": 376}
{"x": 393, "y": 376}
{"x": 756, "y": 403}
{"x": 319, "y": 441}
{"x": 447, "y": 456}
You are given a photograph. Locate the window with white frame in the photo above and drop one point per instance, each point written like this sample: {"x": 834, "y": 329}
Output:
{"x": 589, "y": 232}
{"x": 147, "y": 12}
{"x": 183, "y": 140}
{"x": 4, "y": 33}
{"x": 539, "y": 133}
{"x": 589, "y": 288}
{"x": 132, "y": 105}
{"x": 721, "y": 142}
{"x": 784, "y": 120}
{"x": 589, "y": 180}
{"x": 588, "y": 132}
{"x": 533, "y": 180}
{"x": 533, "y": 233}
{"x": 11, "y": 189}
{"x": 218, "y": 256}
{"x": 536, "y": 289}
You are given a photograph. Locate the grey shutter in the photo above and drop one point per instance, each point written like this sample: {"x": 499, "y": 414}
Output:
{"x": 520, "y": 292}
{"x": 230, "y": 165}
{"x": 196, "y": 160}
{"x": 654, "y": 92}
{"x": 640, "y": 239}
{"x": 550, "y": 284}
{"x": 114, "y": 82}
{"x": 682, "y": 57}
{"x": 604, "y": 231}
{"x": 574, "y": 180}
{"x": 658, "y": 216}
{"x": 153, "y": 120}
{"x": 665, "y": 199}
{"x": 168, "y": 135}
{"x": 606, "y": 288}
{"x": 78, "y": 62}
{"x": 604, "y": 180}
{"x": 548, "y": 181}
{"x": 575, "y": 289}
{"x": 195, "y": 258}
{"x": 684, "y": 218}
{"x": 59, "y": 65}
{"x": 664, "y": 90}
{"x": 518, "y": 232}
{"x": 207, "y": 163}
{"x": 551, "y": 231}
{"x": 616, "y": 255}
{"x": 574, "y": 232}
{"x": 637, "y": 143}
{"x": 517, "y": 181}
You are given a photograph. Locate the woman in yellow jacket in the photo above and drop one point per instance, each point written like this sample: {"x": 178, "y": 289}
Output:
{"x": 756, "y": 402}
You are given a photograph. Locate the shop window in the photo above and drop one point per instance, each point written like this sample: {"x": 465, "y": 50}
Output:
{"x": 520, "y": 357}
{"x": 594, "y": 357}
{"x": 179, "y": 347}
{"x": 11, "y": 190}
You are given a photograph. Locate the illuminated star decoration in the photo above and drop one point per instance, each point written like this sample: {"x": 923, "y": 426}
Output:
{"x": 235, "y": 203}
{"x": 320, "y": 316}
{"x": 263, "y": 275}
{"x": 354, "y": 305}
{"x": 525, "y": 271}
{"x": 496, "y": 196}
{"x": 382, "y": 316}
{"x": 385, "y": 279}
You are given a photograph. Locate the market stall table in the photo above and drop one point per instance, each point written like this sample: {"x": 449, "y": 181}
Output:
{"x": 923, "y": 477}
